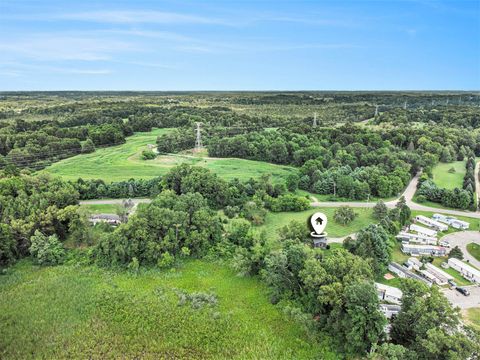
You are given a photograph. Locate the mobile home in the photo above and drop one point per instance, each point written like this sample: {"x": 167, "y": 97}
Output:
{"x": 423, "y": 230}
{"x": 417, "y": 238}
{"x": 467, "y": 271}
{"x": 419, "y": 250}
{"x": 438, "y": 226}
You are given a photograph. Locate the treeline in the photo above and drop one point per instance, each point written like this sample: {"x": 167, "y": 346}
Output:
{"x": 36, "y": 204}
{"x": 456, "y": 198}
{"x": 449, "y": 116}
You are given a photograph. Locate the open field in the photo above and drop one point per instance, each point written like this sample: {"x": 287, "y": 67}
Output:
{"x": 447, "y": 180}
{"x": 474, "y": 250}
{"x": 86, "y": 312}
{"x": 275, "y": 221}
{"x": 123, "y": 162}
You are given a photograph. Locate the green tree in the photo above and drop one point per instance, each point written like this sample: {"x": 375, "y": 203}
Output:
{"x": 46, "y": 250}
{"x": 456, "y": 252}
{"x": 88, "y": 146}
{"x": 372, "y": 243}
{"x": 380, "y": 210}
{"x": 344, "y": 215}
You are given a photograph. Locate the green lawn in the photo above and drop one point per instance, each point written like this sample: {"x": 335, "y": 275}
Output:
{"x": 474, "y": 250}
{"x": 447, "y": 180}
{"x": 85, "y": 312}
{"x": 274, "y": 221}
{"x": 124, "y": 161}
{"x": 473, "y": 317}
{"x": 101, "y": 208}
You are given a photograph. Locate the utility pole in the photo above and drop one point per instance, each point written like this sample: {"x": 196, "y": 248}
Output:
{"x": 198, "y": 140}
{"x": 376, "y": 110}
{"x": 334, "y": 189}
{"x": 315, "y": 120}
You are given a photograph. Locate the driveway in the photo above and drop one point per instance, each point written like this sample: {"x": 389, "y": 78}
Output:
{"x": 463, "y": 302}
{"x": 462, "y": 239}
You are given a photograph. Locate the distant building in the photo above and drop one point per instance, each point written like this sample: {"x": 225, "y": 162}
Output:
{"x": 417, "y": 238}
{"x": 423, "y": 230}
{"x": 111, "y": 219}
{"x": 403, "y": 272}
{"x": 467, "y": 271}
{"x": 438, "y": 226}
{"x": 452, "y": 221}
{"x": 419, "y": 250}
{"x": 389, "y": 293}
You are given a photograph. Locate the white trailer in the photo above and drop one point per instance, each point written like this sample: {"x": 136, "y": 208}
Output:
{"x": 417, "y": 238}
{"x": 423, "y": 230}
{"x": 431, "y": 223}
{"x": 452, "y": 221}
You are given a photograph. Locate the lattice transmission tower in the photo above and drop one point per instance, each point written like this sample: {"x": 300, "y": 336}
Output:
{"x": 198, "y": 140}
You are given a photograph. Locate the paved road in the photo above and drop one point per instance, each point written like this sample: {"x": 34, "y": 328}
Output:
{"x": 463, "y": 302}
{"x": 462, "y": 239}
{"x": 408, "y": 194}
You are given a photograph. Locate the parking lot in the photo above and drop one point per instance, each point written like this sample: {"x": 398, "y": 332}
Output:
{"x": 464, "y": 302}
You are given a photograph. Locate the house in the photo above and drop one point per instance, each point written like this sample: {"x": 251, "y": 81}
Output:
{"x": 417, "y": 238}
{"x": 467, "y": 271}
{"x": 423, "y": 230}
{"x": 441, "y": 277}
{"x": 403, "y": 272}
{"x": 390, "y": 310}
{"x": 389, "y": 293}
{"x": 111, "y": 219}
{"x": 452, "y": 221}
{"x": 414, "y": 263}
{"x": 438, "y": 226}
{"x": 418, "y": 250}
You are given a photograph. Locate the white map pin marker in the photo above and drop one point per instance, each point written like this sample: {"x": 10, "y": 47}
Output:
{"x": 318, "y": 222}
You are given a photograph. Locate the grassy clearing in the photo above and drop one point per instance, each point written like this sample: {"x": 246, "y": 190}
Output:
{"x": 472, "y": 317}
{"x": 124, "y": 162}
{"x": 447, "y": 180}
{"x": 275, "y": 221}
{"x": 474, "y": 250}
{"x": 101, "y": 208}
{"x": 86, "y": 312}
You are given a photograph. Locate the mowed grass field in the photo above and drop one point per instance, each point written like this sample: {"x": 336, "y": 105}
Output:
{"x": 447, "y": 180}
{"x": 74, "y": 311}
{"x": 124, "y": 162}
{"x": 275, "y": 221}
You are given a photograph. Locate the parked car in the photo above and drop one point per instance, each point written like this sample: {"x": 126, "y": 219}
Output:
{"x": 452, "y": 283}
{"x": 463, "y": 291}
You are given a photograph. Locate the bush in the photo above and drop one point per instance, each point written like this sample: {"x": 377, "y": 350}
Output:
{"x": 166, "y": 260}
{"x": 344, "y": 215}
{"x": 148, "y": 155}
{"x": 421, "y": 199}
{"x": 46, "y": 250}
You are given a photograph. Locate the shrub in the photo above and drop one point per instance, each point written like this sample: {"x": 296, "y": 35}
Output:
{"x": 421, "y": 199}
{"x": 166, "y": 260}
{"x": 344, "y": 215}
{"x": 46, "y": 250}
{"x": 148, "y": 155}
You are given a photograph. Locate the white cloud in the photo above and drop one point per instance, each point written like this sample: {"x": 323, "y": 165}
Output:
{"x": 136, "y": 17}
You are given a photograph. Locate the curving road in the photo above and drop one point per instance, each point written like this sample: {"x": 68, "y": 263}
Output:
{"x": 462, "y": 239}
{"x": 408, "y": 194}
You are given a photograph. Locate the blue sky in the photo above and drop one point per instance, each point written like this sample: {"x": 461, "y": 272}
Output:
{"x": 239, "y": 45}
